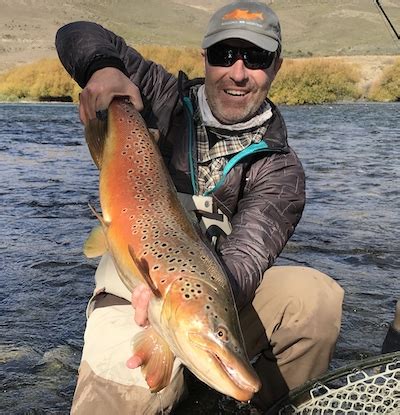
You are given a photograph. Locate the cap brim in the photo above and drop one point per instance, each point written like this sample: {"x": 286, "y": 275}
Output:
{"x": 262, "y": 41}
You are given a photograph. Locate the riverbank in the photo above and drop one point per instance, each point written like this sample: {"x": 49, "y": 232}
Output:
{"x": 311, "y": 80}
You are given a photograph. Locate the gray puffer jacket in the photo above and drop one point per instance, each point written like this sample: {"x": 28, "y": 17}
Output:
{"x": 263, "y": 194}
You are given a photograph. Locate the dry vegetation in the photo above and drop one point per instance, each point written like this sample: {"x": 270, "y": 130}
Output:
{"x": 300, "y": 81}
{"x": 387, "y": 87}
{"x": 37, "y": 81}
{"x": 315, "y": 81}
{"x": 188, "y": 60}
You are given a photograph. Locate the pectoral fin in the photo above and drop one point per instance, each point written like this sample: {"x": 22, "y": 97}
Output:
{"x": 143, "y": 268}
{"x": 157, "y": 358}
{"x": 96, "y": 244}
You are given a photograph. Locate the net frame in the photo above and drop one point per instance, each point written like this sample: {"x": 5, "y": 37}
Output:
{"x": 368, "y": 386}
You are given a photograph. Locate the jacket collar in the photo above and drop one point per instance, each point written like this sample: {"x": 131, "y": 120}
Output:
{"x": 276, "y": 134}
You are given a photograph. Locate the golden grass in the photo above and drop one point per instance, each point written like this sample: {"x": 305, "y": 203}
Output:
{"x": 45, "y": 78}
{"x": 315, "y": 81}
{"x": 173, "y": 59}
{"x": 300, "y": 81}
{"x": 387, "y": 87}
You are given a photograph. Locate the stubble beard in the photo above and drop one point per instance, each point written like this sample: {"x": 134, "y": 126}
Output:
{"x": 231, "y": 113}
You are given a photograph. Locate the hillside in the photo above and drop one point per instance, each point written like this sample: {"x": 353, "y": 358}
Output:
{"x": 309, "y": 27}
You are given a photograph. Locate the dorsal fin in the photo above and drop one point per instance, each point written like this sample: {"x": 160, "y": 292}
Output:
{"x": 95, "y": 134}
{"x": 143, "y": 268}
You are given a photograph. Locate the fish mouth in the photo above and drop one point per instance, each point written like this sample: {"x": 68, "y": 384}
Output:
{"x": 241, "y": 376}
{"x": 232, "y": 374}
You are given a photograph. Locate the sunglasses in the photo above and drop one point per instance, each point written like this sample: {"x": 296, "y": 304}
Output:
{"x": 253, "y": 58}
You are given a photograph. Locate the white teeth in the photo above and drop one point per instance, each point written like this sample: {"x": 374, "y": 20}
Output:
{"x": 235, "y": 93}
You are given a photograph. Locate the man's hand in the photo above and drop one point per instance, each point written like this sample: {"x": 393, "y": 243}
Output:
{"x": 140, "y": 302}
{"x": 101, "y": 88}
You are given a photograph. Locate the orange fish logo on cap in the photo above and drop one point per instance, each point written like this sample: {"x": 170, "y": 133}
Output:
{"x": 240, "y": 14}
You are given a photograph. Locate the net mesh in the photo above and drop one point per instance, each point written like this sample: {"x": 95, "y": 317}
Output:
{"x": 371, "y": 386}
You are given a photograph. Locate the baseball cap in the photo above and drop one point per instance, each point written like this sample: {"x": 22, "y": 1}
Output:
{"x": 247, "y": 20}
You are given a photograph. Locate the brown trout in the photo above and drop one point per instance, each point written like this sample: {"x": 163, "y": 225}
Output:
{"x": 152, "y": 241}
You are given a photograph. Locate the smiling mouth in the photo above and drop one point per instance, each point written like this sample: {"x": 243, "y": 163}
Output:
{"x": 235, "y": 93}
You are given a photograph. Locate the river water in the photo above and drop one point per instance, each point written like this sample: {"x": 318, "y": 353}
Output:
{"x": 350, "y": 229}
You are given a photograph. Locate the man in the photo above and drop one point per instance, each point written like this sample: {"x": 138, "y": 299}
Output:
{"x": 225, "y": 146}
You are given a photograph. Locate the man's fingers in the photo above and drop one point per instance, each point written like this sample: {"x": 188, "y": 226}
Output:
{"x": 134, "y": 362}
{"x": 136, "y": 100}
{"x": 87, "y": 105}
{"x": 136, "y": 293}
{"x": 103, "y": 101}
{"x": 141, "y": 304}
{"x": 101, "y": 88}
{"x": 83, "y": 113}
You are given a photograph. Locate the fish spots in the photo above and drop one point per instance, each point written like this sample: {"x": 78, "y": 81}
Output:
{"x": 213, "y": 315}
{"x": 189, "y": 289}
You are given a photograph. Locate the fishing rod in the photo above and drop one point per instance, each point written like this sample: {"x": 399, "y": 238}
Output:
{"x": 377, "y": 2}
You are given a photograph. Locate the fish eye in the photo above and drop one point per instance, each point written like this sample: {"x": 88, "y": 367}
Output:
{"x": 222, "y": 333}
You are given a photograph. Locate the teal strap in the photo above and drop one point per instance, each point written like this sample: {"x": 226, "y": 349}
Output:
{"x": 251, "y": 149}
{"x": 189, "y": 111}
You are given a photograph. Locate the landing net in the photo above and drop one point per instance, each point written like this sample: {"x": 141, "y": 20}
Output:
{"x": 370, "y": 386}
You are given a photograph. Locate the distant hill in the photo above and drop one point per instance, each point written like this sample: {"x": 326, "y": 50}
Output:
{"x": 309, "y": 27}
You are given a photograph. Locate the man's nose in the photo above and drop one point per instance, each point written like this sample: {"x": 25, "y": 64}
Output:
{"x": 238, "y": 71}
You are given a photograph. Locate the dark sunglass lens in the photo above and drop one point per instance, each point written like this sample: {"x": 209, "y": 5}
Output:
{"x": 220, "y": 55}
{"x": 258, "y": 58}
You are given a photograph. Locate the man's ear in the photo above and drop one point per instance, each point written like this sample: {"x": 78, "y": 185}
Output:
{"x": 204, "y": 56}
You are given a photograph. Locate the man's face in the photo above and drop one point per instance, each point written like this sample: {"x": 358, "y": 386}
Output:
{"x": 235, "y": 93}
